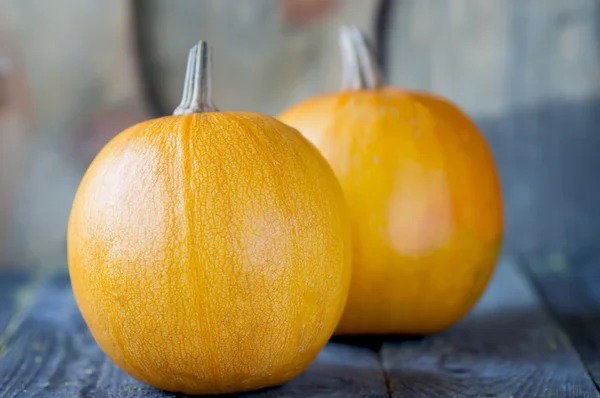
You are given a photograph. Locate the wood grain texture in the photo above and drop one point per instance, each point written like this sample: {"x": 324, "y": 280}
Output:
{"x": 17, "y": 290}
{"x": 52, "y": 354}
{"x": 508, "y": 347}
{"x": 571, "y": 288}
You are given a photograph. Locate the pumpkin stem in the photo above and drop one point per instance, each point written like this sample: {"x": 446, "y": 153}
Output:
{"x": 360, "y": 70}
{"x": 197, "y": 94}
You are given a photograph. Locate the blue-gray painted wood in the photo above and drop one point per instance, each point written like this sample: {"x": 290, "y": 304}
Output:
{"x": 528, "y": 72}
{"x": 508, "y": 347}
{"x": 569, "y": 286}
{"x": 51, "y": 353}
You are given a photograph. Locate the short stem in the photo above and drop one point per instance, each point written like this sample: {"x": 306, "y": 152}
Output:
{"x": 197, "y": 95}
{"x": 360, "y": 70}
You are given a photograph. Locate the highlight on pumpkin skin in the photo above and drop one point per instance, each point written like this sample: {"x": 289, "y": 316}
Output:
{"x": 423, "y": 192}
{"x": 210, "y": 252}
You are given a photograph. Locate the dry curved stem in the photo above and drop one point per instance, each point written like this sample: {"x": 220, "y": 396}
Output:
{"x": 360, "y": 70}
{"x": 197, "y": 90}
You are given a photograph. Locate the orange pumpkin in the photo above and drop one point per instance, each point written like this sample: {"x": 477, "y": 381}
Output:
{"x": 423, "y": 194}
{"x": 209, "y": 252}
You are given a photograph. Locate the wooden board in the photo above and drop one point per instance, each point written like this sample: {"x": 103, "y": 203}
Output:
{"x": 17, "y": 286}
{"x": 570, "y": 286}
{"x": 53, "y": 354}
{"x": 508, "y": 347}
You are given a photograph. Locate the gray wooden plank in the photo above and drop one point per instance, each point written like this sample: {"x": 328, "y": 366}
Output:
{"x": 507, "y": 347}
{"x": 341, "y": 370}
{"x": 52, "y": 354}
{"x": 17, "y": 288}
{"x": 570, "y": 288}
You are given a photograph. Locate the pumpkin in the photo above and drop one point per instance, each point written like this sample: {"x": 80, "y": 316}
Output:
{"x": 423, "y": 192}
{"x": 209, "y": 252}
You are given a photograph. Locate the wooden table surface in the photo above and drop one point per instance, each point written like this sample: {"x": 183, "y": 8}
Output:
{"x": 535, "y": 333}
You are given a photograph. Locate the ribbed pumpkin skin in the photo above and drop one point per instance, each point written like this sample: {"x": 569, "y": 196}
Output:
{"x": 425, "y": 202}
{"x": 210, "y": 253}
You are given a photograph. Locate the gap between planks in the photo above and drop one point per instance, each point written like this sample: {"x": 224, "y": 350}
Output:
{"x": 569, "y": 287}
{"x": 53, "y": 355}
{"x": 507, "y": 347}
{"x": 18, "y": 289}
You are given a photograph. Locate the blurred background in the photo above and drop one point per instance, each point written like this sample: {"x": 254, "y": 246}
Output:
{"x": 73, "y": 73}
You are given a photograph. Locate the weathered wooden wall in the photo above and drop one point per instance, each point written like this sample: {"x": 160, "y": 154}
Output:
{"x": 78, "y": 61}
{"x": 528, "y": 71}
{"x": 85, "y": 87}
{"x": 15, "y": 131}
{"x": 261, "y": 62}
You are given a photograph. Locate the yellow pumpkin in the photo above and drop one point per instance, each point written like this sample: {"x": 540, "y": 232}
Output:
{"x": 423, "y": 193}
{"x": 209, "y": 252}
